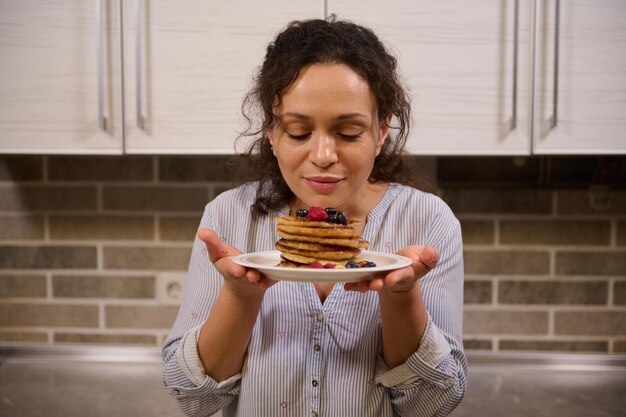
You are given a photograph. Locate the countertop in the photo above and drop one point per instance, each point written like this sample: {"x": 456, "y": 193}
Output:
{"x": 79, "y": 381}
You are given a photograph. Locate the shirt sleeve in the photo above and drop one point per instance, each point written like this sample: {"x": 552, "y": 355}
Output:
{"x": 183, "y": 375}
{"x": 432, "y": 381}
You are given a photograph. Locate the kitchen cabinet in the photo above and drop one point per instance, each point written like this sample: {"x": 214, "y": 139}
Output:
{"x": 481, "y": 73}
{"x": 59, "y": 77}
{"x": 581, "y": 77}
{"x": 189, "y": 65}
{"x": 132, "y": 76}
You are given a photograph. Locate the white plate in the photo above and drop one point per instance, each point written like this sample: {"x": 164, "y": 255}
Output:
{"x": 265, "y": 262}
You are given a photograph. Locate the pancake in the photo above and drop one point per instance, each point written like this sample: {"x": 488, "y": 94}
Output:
{"x": 351, "y": 243}
{"x": 310, "y": 246}
{"x": 307, "y": 260}
{"x": 345, "y": 254}
{"x": 318, "y": 231}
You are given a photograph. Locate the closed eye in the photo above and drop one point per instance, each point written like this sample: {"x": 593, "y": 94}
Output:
{"x": 298, "y": 137}
{"x": 349, "y": 137}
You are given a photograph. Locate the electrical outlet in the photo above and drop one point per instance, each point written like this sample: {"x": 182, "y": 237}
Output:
{"x": 170, "y": 287}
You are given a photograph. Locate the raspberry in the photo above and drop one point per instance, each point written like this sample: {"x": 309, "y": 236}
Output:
{"x": 317, "y": 214}
{"x": 329, "y": 266}
{"x": 316, "y": 265}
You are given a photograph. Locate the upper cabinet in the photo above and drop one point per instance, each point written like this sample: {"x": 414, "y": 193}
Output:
{"x": 514, "y": 77}
{"x": 580, "y": 105}
{"x": 466, "y": 65}
{"x": 172, "y": 81}
{"x": 509, "y": 77}
{"x": 60, "y": 85}
{"x": 188, "y": 66}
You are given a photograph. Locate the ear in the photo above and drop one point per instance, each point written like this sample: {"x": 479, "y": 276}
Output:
{"x": 383, "y": 133}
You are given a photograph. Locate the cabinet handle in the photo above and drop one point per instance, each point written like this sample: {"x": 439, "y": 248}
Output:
{"x": 102, "y": 65}
{"x": 139, "y": 30}
{"x": 515, "y": 50}
{"x": 555, "y": 92}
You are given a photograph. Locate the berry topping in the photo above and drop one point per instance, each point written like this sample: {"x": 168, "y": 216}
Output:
{"x": 317, "y": 214}
{"x": 332, "y": 218}
{"x": 342, "y": 218}
{"x": 302, "y": 213}
{"x": 329, "y": 266}
{"x": 316, "y": 265}
{"x": 352, "y": 264}
{"x": 330, "y": 210}
{"x": 369, "y": 264}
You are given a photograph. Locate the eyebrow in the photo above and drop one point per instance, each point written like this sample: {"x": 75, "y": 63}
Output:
{"x": 340, "y": 117}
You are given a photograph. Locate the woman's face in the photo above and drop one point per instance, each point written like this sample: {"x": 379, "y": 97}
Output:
{"x": 327, "y": 138}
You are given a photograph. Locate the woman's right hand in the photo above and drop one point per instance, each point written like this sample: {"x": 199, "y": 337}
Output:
{"x": 242, "y": 281}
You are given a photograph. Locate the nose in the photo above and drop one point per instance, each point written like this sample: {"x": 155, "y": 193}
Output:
{"x": 323, "y": 150}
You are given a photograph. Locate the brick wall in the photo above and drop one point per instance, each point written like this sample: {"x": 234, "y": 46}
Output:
{"x": 94, "y": 249}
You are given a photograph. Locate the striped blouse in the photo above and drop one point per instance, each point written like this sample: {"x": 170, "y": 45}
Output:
{"x": 306, "y": 358}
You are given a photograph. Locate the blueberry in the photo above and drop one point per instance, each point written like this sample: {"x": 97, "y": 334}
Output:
{"x": 369, "y": 264}
{"x": 352, "y": 264}
{"x": 332, "y": 218}
{"x": 331, "y": 210}
{"x": 302, "y": 212}
{"x": 342, "y": 218}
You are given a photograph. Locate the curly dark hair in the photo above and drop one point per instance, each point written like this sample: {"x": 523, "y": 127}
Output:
{"x": 307, "y": 42}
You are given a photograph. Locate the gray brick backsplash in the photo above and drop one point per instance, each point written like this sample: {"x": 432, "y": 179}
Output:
{"x": 22, "y": 286}
{"x": 98, "y": 168}
{"x": 101, "y": 227}
{"x": 591, "y": 263}
{"x": 86, "y": 240}
{"x": 621, "y": 233}
{"x": 555, "y": 345}
{"x": 505, "y": 322}
{"x": 48, "y": 257}
{"x": 481, "y": 232}
{"x": 107, "y": 339}
{"x": 24, "y": 337}
{"x": 47, "y": 198}
{"x": 194, "y": 168}
{"x": 552, "y": 292}
{"x": 102, "y": 286}
{"x": 590, "y": 323}
{"x": 509, "y": 262}
{"x": 600, "y": 201}
{"x": 179, "y": 228}
{"x": 45, "y": 314}
{"x": 555, "y": 232}
{"x": 150, "y": 258}
{"x": 155, "y": 198}
{"x": 21, "y": 168}
{"x": 489, "y": 201}
{"x": 153, "y": 317}
{"x": 619, "y": 293}
{"x": 477, "y": 292}
{"x": 21, "y": 227}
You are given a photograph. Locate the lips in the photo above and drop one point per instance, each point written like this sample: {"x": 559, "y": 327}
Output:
{"x": 323, "y": 184}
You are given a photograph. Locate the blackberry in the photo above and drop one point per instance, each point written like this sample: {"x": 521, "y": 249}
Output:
{"x": 369, "y": 264}
{"x": 302, "y": 213}
{"x": 352, "y": 264}
{"x": 332, "y": 218}
{"x": 330, "y": 210}
{"x": 342, "y": 218}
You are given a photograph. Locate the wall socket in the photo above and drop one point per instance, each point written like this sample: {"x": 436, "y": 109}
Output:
{"x": 170, "y": 287}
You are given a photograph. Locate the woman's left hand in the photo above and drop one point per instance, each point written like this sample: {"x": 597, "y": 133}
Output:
{"x": 401, "y": 280}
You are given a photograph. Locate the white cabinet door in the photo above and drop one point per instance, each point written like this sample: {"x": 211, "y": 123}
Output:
{"x": 189, "y": 64}
{"x": 59, "y": 77}
{"x": 458, "y": 57}
{"x": 581, "y": 77}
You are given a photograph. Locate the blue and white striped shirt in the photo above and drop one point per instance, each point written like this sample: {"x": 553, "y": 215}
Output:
{"x": 306, "y": 358}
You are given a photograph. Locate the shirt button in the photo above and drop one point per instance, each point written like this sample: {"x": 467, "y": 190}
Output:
{"x": 448, "y": 382}
{"x": 317, "y": 347}
{"x": 315, "y": 383}
{"x": 320, "y": 316}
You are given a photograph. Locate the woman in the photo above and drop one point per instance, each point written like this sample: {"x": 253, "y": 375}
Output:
{"x": 250, "y": 346}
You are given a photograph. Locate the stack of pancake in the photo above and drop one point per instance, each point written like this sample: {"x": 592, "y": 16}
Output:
{"x": 304, "y": 242}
